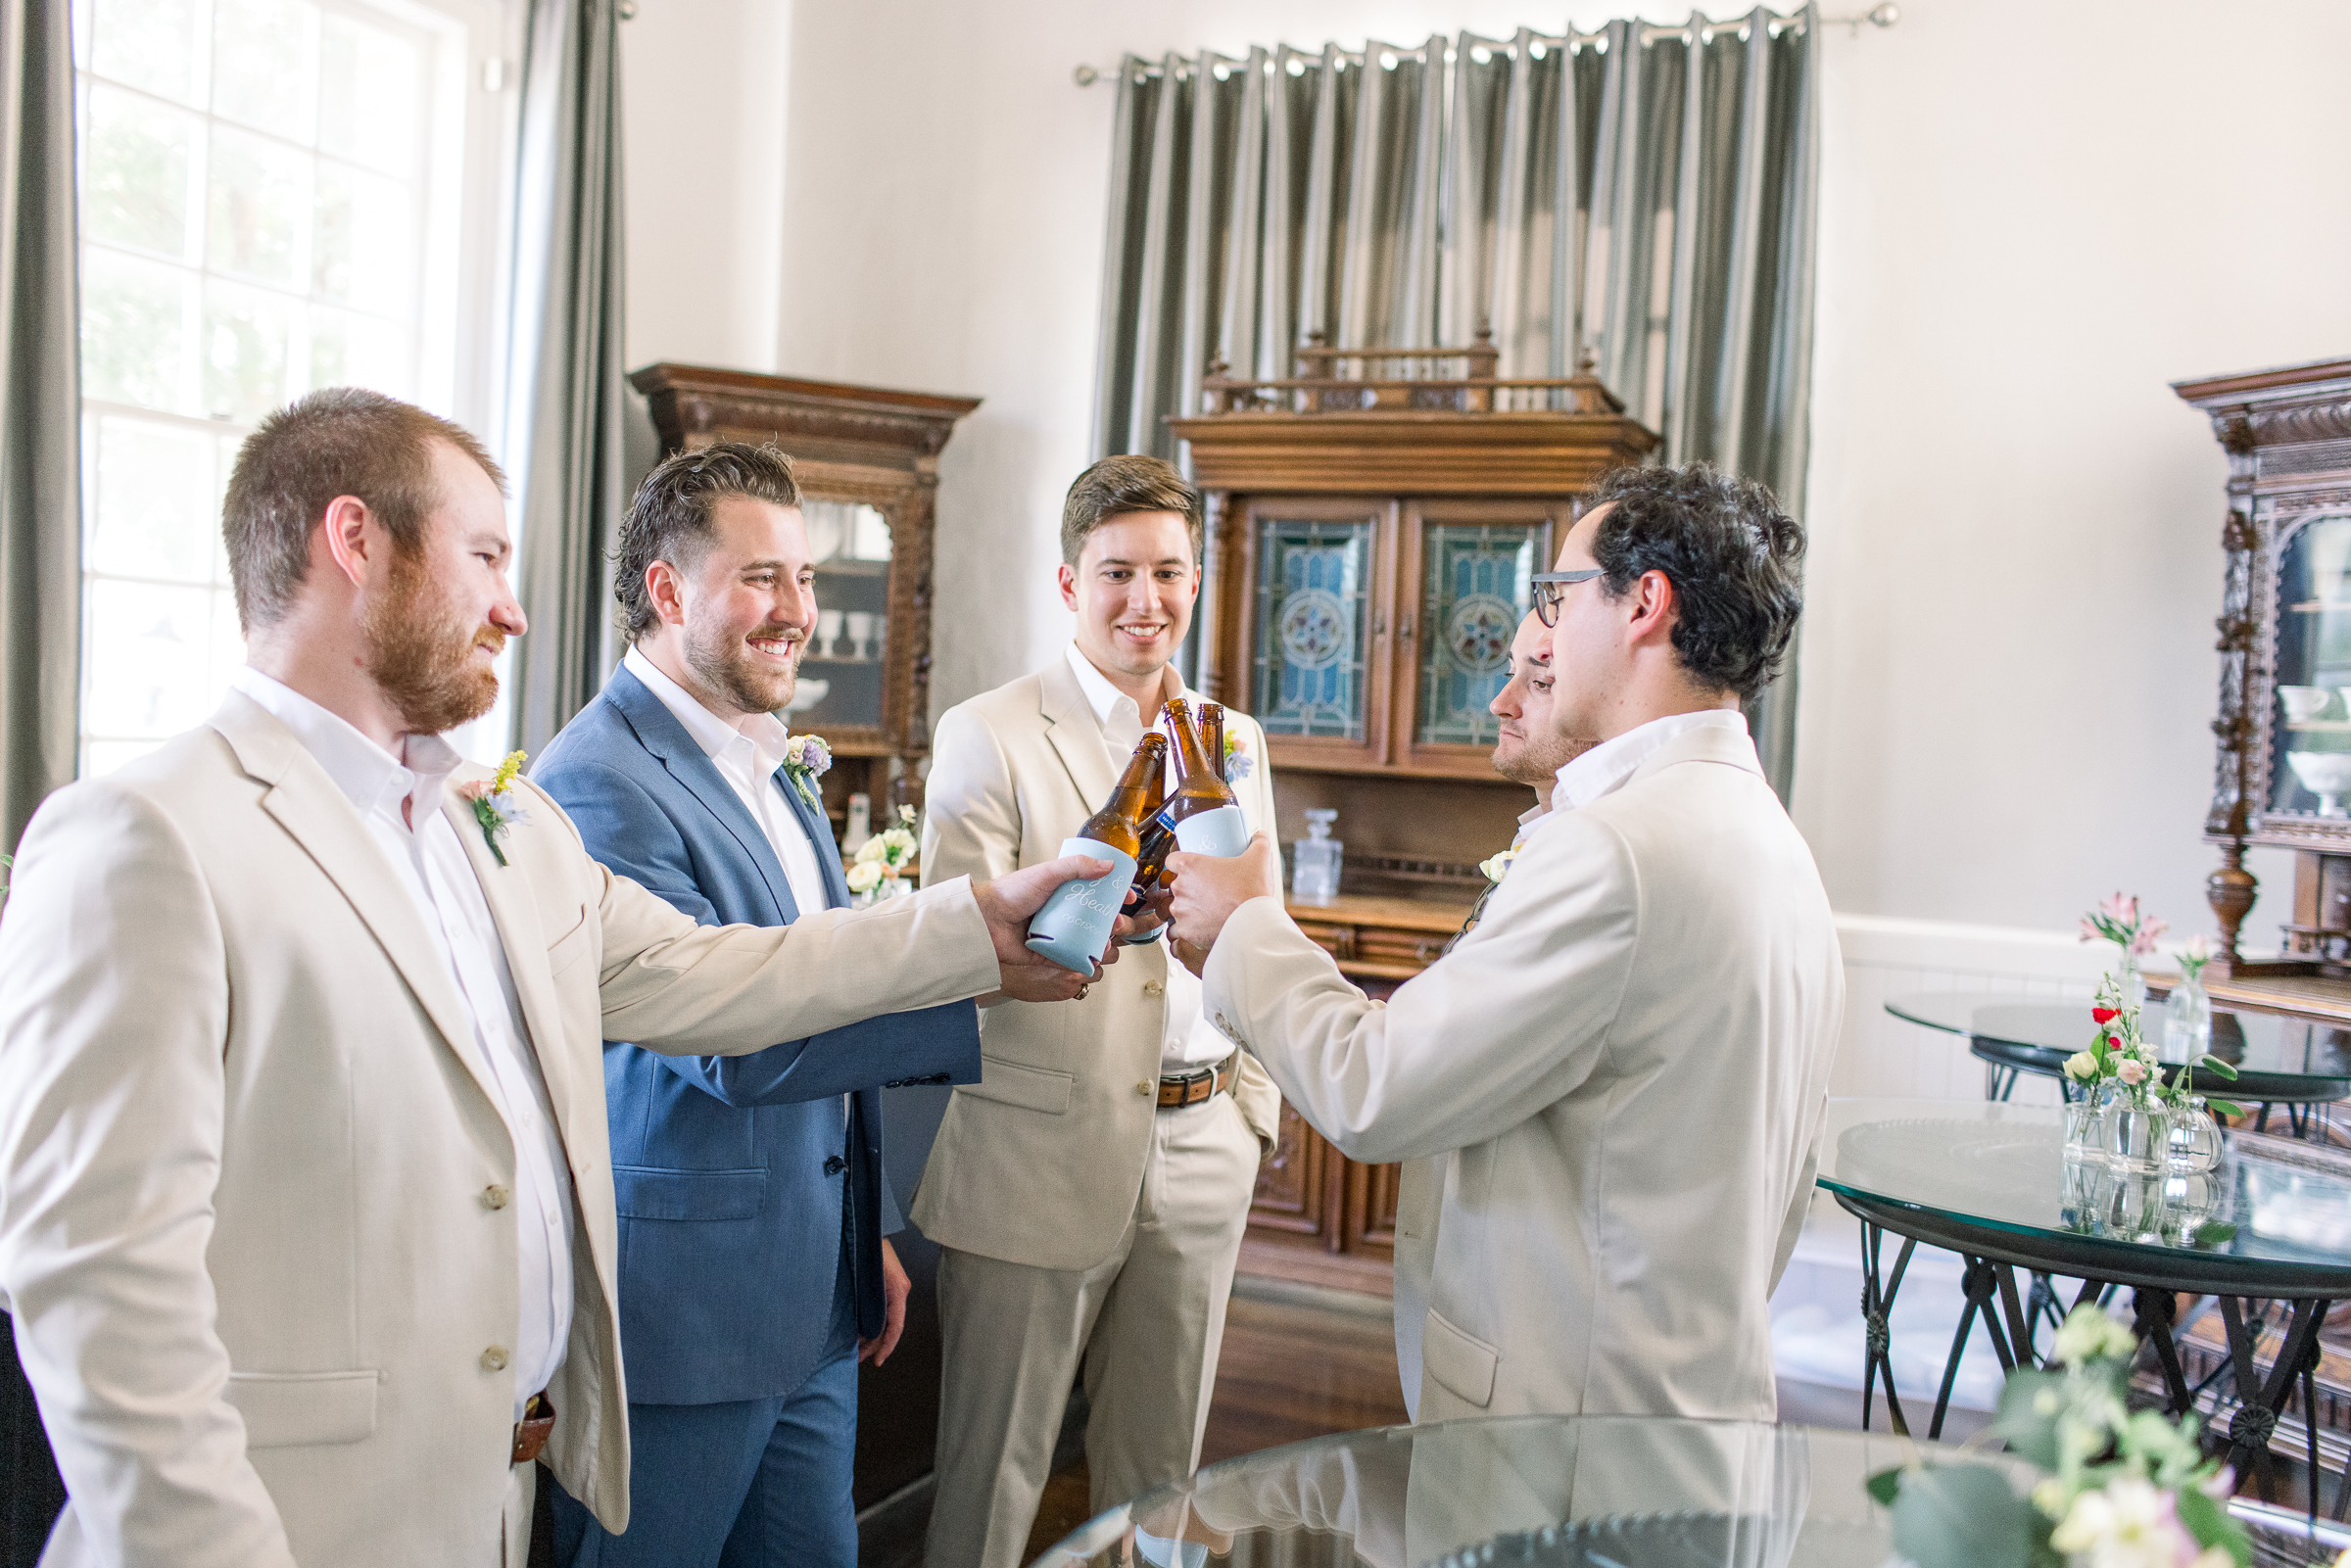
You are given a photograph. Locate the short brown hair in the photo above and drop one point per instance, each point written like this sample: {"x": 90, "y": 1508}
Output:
{"x": 335, "y": 441}
{"x": 1118, "y": 486}
{"x": 670, "y": 518}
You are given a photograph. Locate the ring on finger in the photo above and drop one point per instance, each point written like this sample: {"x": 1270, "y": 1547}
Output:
{"x": 1081, "y": 993}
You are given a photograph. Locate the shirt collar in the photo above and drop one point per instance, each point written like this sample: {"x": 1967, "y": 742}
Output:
{"x": 369, "y": 777}
{"x": 1607, "y": 767}
{"x": 1105, "y": 698}
{"x": 714, "y": 735}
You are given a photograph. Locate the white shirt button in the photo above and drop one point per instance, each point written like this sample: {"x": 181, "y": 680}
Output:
{"x": 494, "y": 1359}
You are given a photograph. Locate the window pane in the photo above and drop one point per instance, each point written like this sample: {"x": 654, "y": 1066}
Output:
{"x": 154, "y": 500}
{"x": 152, "y": 44}
{"x": 102, "y": 757}
{"x": 246, "y": 335}
{"x": 265, "y": 58}
{"x": 361, "y": 350}
{"x": 371, "y": 85}
{"x": 366, "y": 241}
{"x": 132, "y": 315}
{"x": 150, "y": 659}
{"x": 255, "y": 211}
{"x": 137, "y": 178}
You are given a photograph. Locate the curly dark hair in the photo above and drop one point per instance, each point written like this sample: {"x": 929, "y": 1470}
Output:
{"x": 1735, "y": 560}
{"x": 670, "y": 517}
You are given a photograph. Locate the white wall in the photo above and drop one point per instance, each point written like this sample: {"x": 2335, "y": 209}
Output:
{"x": 2033, "y": 216}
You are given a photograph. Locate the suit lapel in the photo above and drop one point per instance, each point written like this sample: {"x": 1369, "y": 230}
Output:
{"x": 516, "y": 913}
{"x": 820, "y": 840}
{"x": 1076, "y": 735}
{"x": 658, "y": 729}
{"x": 320, "y": 817}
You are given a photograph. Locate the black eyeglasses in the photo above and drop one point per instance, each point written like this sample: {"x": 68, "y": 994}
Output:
{"x": 1551, "y": 586}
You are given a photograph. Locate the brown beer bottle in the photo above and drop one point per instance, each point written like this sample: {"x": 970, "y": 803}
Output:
{"x": 1211, "y": 735}
{"x": 1203, "y": 810}
{"x": 1121, "y": 821}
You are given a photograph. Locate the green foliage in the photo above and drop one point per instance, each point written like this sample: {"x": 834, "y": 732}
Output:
{"x": 1966, "y": 1516}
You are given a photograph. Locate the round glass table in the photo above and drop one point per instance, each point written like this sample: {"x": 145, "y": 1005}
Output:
{"x": 2279, "y": 1060}
{"x": 1990, "y": 1182}
{"x": 1534, "y": 1489}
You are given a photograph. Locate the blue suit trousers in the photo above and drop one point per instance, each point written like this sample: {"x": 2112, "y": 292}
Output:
{"x": 739, "y": 1484}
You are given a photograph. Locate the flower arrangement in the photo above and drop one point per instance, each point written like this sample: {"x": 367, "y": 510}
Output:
{"x": 887, "y": 858}
{"x": 2120, "y": 921}
{"x": 2123, "y": 1488}
{"x": 2194, "y": 955}
{"x": 806, "y": 759}
{"x": 2119, "y": 1053}
{"x": 494, "y": 805}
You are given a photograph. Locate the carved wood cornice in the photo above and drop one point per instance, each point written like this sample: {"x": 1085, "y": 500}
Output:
{"x": 1410, "y": 452}
{"x": 906, "y": 429}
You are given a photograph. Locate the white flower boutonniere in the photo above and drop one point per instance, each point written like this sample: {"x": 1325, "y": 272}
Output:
{"x": 494, "y": 805}
{"x": 1495, "y": 867}
{"x": 806, "y": 759}
{"x": 1238, "y": 764}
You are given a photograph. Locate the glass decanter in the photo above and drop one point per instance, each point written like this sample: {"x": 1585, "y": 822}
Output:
{"x": 2195, "y": 1138}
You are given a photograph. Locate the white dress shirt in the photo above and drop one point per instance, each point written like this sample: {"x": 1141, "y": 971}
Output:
{"x": 748, "y": 759}
{"x": 431, "y": 865}
{"x": 1189, "y": 1040}
{"x": 1606, "y": 767}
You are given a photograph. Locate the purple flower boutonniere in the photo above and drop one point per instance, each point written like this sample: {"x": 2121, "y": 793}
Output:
{"x": 806, "y": 759}
{"x": 1238, "y": 764}
{"x": 495, "y": 803}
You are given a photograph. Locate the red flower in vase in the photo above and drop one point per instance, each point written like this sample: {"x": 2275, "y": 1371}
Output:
{"x": 2105, "y": 1014}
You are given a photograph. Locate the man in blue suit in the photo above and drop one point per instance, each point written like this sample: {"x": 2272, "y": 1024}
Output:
{"x": 754, "y": 1275}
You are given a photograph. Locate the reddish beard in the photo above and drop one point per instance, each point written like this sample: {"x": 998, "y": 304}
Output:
{"x": 420, "y": 651}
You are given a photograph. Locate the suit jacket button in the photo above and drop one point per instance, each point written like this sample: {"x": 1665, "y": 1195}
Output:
{"x": 1152, "y": 987}
{"x": 494, "y": 1359}
{"x": 1143, "y": 1087}
{"x": 494, "y": 1195}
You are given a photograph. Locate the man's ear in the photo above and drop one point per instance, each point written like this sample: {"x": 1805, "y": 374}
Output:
{"x": 1657, "y": 606}
{"x": 344, "y": 533}
{"x": 1066, "y": 576}
{"x": 665, "y": 591}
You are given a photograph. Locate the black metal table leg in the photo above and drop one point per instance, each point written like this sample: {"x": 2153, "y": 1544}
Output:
{"x": 1979, "y": 1281}
{"x": 1877, "y": 1301}
{"x": 2260, "y": 1405}
{"x": 2153, "y": 1314}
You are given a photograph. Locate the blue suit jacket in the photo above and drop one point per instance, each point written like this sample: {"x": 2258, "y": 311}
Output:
{"x": 736, "y": 1208}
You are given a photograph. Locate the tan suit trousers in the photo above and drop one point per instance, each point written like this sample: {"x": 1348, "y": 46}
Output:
{"x": 1145, "y": 1322}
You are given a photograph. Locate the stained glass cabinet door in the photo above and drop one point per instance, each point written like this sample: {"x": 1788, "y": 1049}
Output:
{"x": 1464, "y": 578}
{"x": 1317, "y": 618}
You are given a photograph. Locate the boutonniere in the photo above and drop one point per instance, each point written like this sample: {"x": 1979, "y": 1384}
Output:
{"x": 1495, "y": 867}
{"x": 1238, "y": 764}
{"x": 806, "y": 759}
{"x": 494, "y": 805}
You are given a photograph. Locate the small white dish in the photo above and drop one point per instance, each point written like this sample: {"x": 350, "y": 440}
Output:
{"x": 808, "y": 695}
{"x": 2325, "y": 774}
{"x": 2304, "y": 703}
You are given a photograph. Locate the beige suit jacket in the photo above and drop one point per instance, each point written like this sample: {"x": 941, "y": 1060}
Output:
{"x": 252, "y": 1221}
{"x": 1042, "y": 1161}
{"x": 1620, "y": 1076}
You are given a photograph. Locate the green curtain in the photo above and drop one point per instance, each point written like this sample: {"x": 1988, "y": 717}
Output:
{"x": 41, "y": 401}
{"x": 1643, "y": 193}
{"x": 563, "y": 430}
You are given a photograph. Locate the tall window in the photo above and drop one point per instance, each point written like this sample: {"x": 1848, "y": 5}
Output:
{"x": 276, "y": 196}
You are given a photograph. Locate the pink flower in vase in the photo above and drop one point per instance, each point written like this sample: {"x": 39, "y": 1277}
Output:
{"x": 2132, "y": 1071}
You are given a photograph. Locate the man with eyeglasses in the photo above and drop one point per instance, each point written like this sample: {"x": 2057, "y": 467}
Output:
{"x": 1610, "y": 1089}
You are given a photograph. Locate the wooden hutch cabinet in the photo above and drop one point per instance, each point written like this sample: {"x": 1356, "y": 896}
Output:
{"x": 2283, "y": 773}
{"x": 1372, "y": 526}
{"x": 868, "y": 465}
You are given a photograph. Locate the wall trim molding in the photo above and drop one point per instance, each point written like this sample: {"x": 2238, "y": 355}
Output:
{"x": 1880, "y": 942}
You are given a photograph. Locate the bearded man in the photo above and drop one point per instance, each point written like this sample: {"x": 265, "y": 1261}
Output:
{"x": 306, "y": 1194}
{"x": 755, "y": 1270}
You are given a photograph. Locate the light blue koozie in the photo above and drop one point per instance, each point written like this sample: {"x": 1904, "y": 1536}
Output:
{"x": 1222, "y": 832}
{"x": 1074, "y": 927}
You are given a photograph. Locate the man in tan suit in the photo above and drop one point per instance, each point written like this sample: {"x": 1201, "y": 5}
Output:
{"x": 1621, "y": 1071}
{"x": 305, "y": 1202}
{"x": 1088, "y": 1193}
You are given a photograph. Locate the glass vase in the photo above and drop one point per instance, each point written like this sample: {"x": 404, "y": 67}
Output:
{"x": 2138, "y": 1132}
{"x": 2132, "y": 984}
{"x": 2195, "y": 1144}
{"x": 2186, "y": 1022}
{"x": 2085, "y": 1126}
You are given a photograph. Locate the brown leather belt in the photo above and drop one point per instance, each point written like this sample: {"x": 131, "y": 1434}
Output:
{"x": 530, "y": 1433}
{"x": 1202, "y": 1083}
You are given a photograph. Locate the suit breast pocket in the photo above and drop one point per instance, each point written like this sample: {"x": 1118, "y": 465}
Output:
{"x": 649, "y": 1192}
{"x": 295, "y": 1409}
{"x": 573, "y": 945}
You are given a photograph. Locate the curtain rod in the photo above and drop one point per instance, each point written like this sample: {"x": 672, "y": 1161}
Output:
{"x": 1880, "y": 15}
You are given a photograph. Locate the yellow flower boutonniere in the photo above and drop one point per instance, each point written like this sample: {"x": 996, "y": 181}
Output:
{"x": 494, "y": 805}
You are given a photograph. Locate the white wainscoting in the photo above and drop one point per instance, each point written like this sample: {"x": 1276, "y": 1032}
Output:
{"x": 1880, "y": 1055}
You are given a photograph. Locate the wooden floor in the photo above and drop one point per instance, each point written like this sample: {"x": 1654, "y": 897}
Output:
{"x": 1296, "y": 1364}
